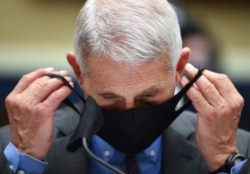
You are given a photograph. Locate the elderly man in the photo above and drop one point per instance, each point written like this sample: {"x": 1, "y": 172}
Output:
{"x": 129, "y": 59}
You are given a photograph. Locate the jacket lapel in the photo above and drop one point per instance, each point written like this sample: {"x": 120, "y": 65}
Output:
{"x": 64, "y": 162}
{"x": 60, "y": 160}
{"x": 180, "y": 155}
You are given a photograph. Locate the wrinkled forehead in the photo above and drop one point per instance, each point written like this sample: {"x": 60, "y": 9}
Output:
{"x": 161, "y": 61}
{"x": 106, "y": 74}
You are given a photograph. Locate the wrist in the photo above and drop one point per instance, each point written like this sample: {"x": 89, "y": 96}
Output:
{"x": 215, "y": 158}
{"x": 231, "y": 161}
{"x": 217, "y": 161}
{"x": 19, "y": 161}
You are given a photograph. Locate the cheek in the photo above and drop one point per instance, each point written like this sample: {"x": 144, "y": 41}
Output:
{"x": 85, "y": 87}
{"x": 90, "y": 90}
{"x": 169, "y": 89}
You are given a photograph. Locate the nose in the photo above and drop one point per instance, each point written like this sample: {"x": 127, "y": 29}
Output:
{"x": 129, "y": 105}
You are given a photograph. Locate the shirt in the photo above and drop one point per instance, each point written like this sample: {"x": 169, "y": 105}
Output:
{"x": 148, "y": 159}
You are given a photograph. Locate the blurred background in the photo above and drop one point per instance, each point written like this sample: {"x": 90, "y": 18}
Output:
{"x": 38, "y": 33}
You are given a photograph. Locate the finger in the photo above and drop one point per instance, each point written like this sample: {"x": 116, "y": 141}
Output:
{"x": 191, "y": 70}
{"x": 222, "y": 83}
{"x": 41, "y": 88}
{"x": 54, "y": 99}
{"x": 62, "y": 75}
{"x": 226, "y": 89}
{"x": 207, "y": 89}
{"x": 195, "y": 96}
{"x": 27, "y": 79}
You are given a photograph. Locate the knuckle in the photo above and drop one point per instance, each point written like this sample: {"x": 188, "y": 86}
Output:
{"x": 56, "y": 96}
{"x": 40, "y": 110}
{"x": 38, "y": 84}
{"x": 9, "y": 100}
{"x": 226, "y": 107}
{"x": 241, "y": 101}
{"x": 210, "y": 113}
{"x": 222, "y": 77}
{"x": 27, "y": 107}
{"x": 197, "y": 97}
{"x": 225, "y": 110}
{"x": 25, "y": 77}
{"x": 209, "y": 87}
{"x": 238, "y": 102}
{"x": 12, "y": 100}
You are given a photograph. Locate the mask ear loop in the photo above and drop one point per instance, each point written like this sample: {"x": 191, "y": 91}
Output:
{"x": 179, "y": 95}
{"x": 84, "y": 138}
{"x": 176, "y": 98}
{"x": 66, "y": 83}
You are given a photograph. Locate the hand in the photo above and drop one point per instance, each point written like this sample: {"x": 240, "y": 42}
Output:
{"x": 31, "y": 108}
{"x": 219, "y": 107}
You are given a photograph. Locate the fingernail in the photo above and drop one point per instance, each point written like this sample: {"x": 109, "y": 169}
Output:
{"x": 68, "y": 78}
{"x": 184, "y": 80}
{"x": 71, "y": 84}
{"x": 189, "y": 66}
{"x": 49, "y": 69}
{"x": 63, "y": 72}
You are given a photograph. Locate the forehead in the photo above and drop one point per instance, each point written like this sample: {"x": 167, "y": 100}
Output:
{"x": 105, "y": 74}
{"x": 162, "y": 61}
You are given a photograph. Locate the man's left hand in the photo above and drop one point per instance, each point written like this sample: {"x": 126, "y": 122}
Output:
{"x": 219, "y": 107}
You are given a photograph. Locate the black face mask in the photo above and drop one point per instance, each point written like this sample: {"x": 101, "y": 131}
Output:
{"x": 130, "y": 131}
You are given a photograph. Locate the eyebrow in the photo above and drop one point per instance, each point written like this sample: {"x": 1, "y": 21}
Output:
{"x": 146, "y": 91}
{"x": 149, "y": 90}
{"x": 104, "y": 92}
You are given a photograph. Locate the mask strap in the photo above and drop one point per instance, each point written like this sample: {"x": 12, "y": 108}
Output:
{"x": 66, "y": 83}
{"x": 177, "y": 97}
{"x": 90, "y": 125}
{"x": 184, "y": 90}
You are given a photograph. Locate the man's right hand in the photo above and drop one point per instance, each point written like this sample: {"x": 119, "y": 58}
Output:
{"x": 31, "y": 108}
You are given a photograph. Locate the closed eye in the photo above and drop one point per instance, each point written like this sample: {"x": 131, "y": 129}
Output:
{"x": 148, "y": 94}
{"x": 109, "y": 96}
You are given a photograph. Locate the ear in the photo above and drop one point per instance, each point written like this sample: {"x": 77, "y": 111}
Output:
{"x": 180, "y": 67}
{"x": 74, "y": 65}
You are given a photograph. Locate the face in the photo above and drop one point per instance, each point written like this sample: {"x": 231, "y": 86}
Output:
{"x": 120, "y": 86}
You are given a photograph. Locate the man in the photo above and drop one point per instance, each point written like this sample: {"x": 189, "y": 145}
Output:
{"x": 128, "y": 54}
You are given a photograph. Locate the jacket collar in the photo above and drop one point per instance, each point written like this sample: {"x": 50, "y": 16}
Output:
{"x": 179, "y": 153}
{"x": 178, "y": 137}
{"x": 66, "y": 119}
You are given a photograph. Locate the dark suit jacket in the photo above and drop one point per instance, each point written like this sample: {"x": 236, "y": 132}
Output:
{"x": 180, "y": 153}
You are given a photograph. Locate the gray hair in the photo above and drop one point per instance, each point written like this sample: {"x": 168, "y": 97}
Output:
{"x": 127, "y": 30}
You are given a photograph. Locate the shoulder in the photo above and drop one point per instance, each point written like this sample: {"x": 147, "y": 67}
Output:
{"x": 243, "y": 142}
{"x": 66, "y": 120}
{"x": 185, "y": 123}
{"x": 5, "y": 136}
